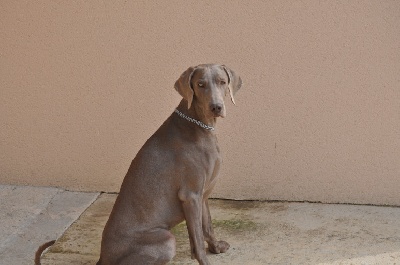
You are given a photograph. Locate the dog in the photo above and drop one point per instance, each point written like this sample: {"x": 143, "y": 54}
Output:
{"x": 172, "y": 176}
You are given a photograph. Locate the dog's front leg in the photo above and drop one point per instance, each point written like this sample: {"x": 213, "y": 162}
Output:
{"x": 214, "y": 245}
{"x": 192, "y": 208}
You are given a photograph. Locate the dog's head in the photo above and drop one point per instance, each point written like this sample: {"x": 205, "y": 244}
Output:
{"x": 206, "y": 85}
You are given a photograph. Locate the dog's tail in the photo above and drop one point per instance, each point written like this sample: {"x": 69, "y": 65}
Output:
{"x": 41, "y": 249}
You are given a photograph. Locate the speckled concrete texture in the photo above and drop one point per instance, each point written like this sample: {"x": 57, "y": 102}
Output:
{"x": 31, "y": 216}
{"x": 261, "y": 233}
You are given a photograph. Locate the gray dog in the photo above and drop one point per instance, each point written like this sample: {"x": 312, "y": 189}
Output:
{"x": 172, "y": 176}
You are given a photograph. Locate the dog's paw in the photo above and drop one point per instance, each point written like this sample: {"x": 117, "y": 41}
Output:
{"x": 218, "y": 247}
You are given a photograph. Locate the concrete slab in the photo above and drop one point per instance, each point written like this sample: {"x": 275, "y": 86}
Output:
{"x": 31, "y": 216}
{"x": 261, "y": 233}
{"x": 80, "y": 244}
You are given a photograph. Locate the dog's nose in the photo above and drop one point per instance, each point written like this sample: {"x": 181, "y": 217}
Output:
{"x": 216, "y": 108}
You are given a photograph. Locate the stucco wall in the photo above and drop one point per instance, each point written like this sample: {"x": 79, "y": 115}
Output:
{"x": 84, "y": 83}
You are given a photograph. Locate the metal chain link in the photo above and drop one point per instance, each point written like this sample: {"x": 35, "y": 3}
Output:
{"x": 199, "y": 123}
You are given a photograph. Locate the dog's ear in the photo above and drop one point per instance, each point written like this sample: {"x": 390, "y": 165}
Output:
{"x": 183, "y": 86}
{"x": 234, "y": 82}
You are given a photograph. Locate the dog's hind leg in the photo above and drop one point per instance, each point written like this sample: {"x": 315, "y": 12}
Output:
{"x": 155, "y": 247}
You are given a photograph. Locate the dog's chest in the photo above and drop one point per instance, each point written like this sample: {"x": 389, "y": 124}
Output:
{"x": 208, "y": 154}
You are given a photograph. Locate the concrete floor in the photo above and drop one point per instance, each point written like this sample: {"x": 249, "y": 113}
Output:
{"x": 30, "y": 216}
{"x": 259, "y": 232}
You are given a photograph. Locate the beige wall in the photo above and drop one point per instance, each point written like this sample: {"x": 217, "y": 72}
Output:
{"x": 84, "y": 83}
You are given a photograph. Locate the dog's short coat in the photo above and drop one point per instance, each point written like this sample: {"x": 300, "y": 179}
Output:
{"x": 171, "y": 178}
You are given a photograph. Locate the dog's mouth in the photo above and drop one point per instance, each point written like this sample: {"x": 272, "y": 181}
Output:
{"x": 219, "y": 115}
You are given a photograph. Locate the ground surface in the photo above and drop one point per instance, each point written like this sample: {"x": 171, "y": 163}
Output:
{"x": 259, "y": 232}
{"x": 263, "y": 233}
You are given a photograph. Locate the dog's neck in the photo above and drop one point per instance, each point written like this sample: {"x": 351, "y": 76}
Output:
{"x": 196, "y": 113}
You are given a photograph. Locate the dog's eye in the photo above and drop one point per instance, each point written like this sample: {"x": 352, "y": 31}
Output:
{"x": 200, "y": 84}
{"x": 222, "y": 82}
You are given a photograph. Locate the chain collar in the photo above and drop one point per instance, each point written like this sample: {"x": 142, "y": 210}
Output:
{"x": 199, "y": 123}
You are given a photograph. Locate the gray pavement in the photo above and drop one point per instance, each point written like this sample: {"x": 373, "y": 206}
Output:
{"x": 259, "y": 232}
{"x": 31, "y": 216}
